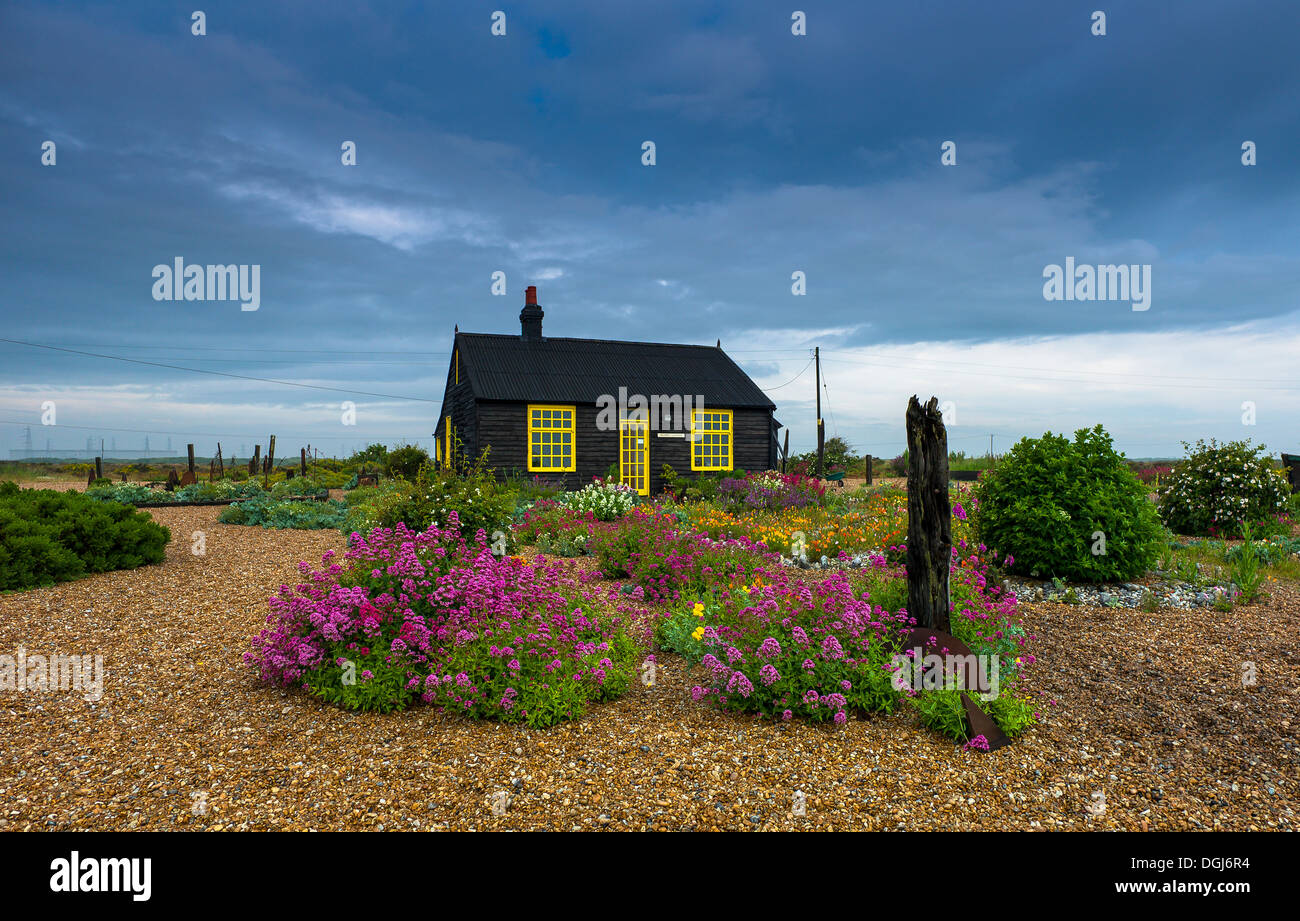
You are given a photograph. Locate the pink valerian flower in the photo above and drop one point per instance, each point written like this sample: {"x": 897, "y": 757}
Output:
{"x": 739, "y": 684}
{"x": 979, "y": 743}
{"x": 768, "y": 675}
{"x": 770, "y": 649}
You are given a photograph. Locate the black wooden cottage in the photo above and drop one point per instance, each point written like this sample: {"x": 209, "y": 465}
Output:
{"x": 570, "y": 409}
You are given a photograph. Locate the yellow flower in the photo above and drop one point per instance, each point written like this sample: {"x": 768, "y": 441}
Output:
{"x": 699, "y": 632}
{"x": 699, "y": 609}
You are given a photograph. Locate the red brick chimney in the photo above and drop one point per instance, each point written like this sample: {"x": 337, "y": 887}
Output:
{"x": 530, "y": 318}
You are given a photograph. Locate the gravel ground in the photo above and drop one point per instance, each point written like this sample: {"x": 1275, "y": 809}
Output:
{"x": 1150, "y": 711}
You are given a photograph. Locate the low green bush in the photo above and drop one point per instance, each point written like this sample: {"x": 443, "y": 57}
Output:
{"x": 48, "y": 537}
{"x": 1071, "y": 509}
{"x": 300, "y": 514}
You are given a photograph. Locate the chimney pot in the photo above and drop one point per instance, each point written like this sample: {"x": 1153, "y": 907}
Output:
{"x": 530, "y": 318}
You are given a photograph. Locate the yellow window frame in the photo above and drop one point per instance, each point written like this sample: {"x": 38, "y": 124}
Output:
{"x": 550, "y": 428}
{"x": 446, "y": 454}
{"x": 634, "y": 454}
{"x": 711, "y": 430}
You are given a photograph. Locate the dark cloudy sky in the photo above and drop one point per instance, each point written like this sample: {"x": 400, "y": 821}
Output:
{"x": 776, "y": 153}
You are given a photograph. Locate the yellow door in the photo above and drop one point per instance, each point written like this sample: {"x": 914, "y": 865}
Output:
{"x": 634, "y": 455}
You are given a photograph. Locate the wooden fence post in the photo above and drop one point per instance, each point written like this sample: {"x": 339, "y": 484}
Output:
{"x": 270, "y": 462}
{"x": 256, "y": 460}
{"x": 221, "y": 463}
{"x": 785, "y": 451}
{"x": 99, "y": 467}
{"x": 189, "y": 449}
{"x": 302, "y": 461}
{"x": 929, "y": 517}
{"x": 868, "y": 469}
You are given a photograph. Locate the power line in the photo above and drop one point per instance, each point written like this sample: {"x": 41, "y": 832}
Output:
{"x": 245, "y": 377}
{"x": 790, "y": 381}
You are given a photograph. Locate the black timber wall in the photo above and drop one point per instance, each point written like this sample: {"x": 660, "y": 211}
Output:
{"x": 458, "y": 402}
{"x": 504, "y": 428}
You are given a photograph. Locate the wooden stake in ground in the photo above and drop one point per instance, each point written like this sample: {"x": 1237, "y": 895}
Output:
{"x": 929, "y": 517}
{"x": 190, "y": 450}
{"x": 302, "y": 461}
{"x": 868, "y": 469}
{"x": 255, "y": 460}
{"x": 270, "y": 461}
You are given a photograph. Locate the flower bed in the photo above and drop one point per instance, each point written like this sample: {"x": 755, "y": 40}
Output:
{"x": 771, "y": 490}
{"x": 426, "y": 616}
{"x": 874, "y": 523}
{"x": 780, "y": 648}
{"x": 555, "y": 529}
{"x": 664, "y": 559}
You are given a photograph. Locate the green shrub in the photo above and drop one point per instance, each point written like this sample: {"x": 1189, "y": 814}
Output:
{"x": 1218, "y": 487}
{"x": 479, "y": 500}
{"x": 298, "y": 486}
{"x": 406, "y": 461}
{"x": 48, "y": 537}
{"x": 1071, "y": 509}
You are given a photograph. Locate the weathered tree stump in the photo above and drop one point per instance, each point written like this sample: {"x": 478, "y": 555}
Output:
{"x": 929, "y": 517}
{"x": 172, "y": 481}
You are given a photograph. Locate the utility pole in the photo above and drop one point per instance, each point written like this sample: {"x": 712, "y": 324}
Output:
{"x": 821, "y": 431}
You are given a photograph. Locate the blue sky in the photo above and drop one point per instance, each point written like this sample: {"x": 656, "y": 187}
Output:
{"x": 775, "y": 153}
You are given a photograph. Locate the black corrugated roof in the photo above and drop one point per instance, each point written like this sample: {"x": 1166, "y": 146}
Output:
{"x": 502, "y": 367}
